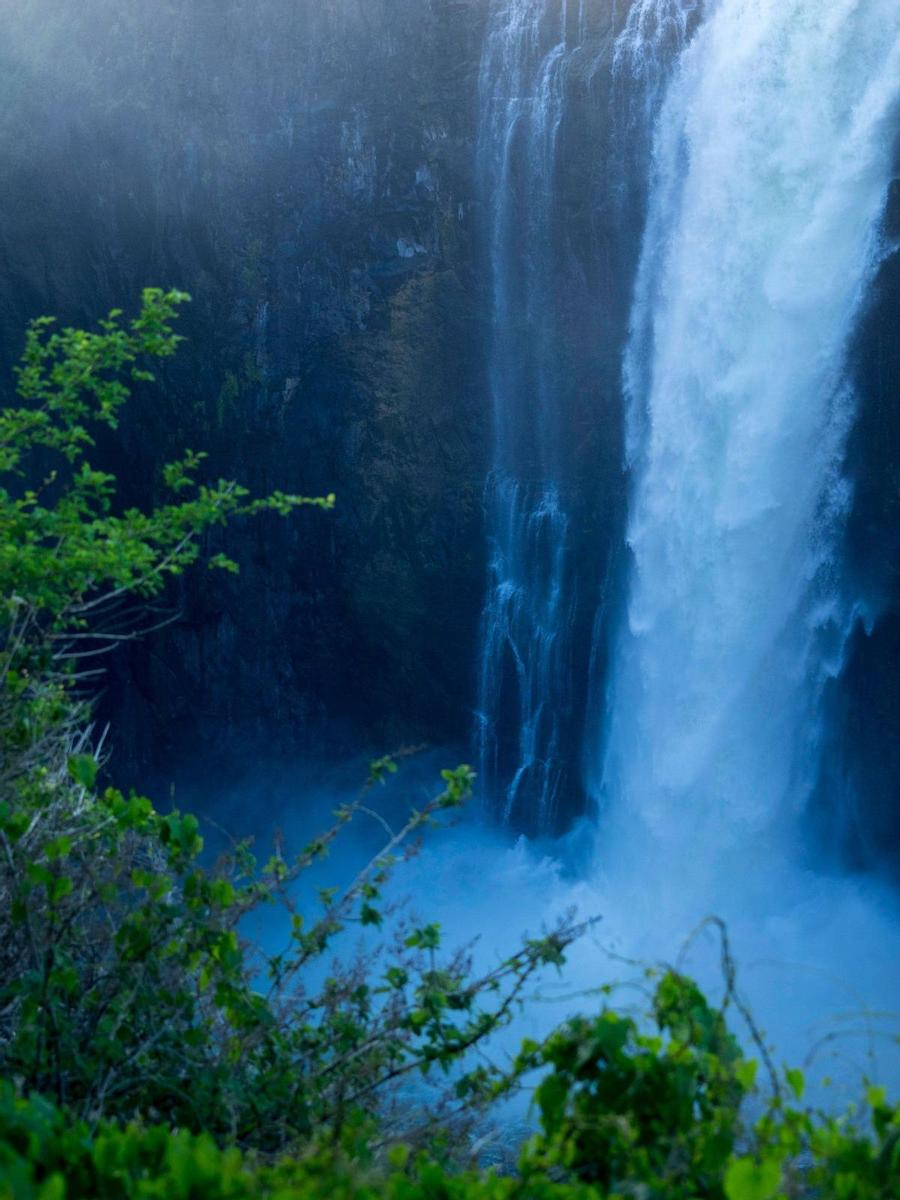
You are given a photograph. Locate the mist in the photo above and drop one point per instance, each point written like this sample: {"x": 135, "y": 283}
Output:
{"x": 816, "y": 954}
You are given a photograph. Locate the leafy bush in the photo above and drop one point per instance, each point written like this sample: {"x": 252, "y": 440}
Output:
{"x": 128, "y": 988}
{"x": 661, "y": 1111}
{"x": 608, "y": 1131}
{"x": 125, "y": 985}
{"x": 71, "y": 566}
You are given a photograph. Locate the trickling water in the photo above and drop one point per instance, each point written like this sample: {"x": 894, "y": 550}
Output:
{"x": 525, "y": 680}
{"x": 770, "y": 172}
{"x": 655, "y": 33}
{"x": 645, "y": 52}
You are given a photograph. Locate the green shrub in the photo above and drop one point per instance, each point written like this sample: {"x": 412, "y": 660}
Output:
{"x": 660, "y": 1110}
{"x": 607, "y": 1134}
{"x": 125, "y": 985}
{"x": 618, "y": 1103}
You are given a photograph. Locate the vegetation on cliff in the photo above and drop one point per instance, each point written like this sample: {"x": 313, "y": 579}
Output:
{"x": 150, "y": 1048}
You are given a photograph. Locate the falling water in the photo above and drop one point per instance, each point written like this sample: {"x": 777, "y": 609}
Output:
{"x": 771, "y": 164}
{"x": 526, "y": 656}
{"x": 655, "y": 33}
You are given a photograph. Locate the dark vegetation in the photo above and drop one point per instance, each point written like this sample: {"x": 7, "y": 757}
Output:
{"x": 148, "y": 1048}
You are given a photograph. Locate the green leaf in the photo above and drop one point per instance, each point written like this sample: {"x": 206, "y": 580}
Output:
{"x": 83, "y": 769}
{"x": 796, "y": 1081}
{"x": 39, "y": 875}
{"x": 398, "y": 1157}
{"x": 380, "y": 769}
{"x": 60, "y": 847}
{"x": 749, "y": 1180}
{"x": 551, "y": 1097}
{"x": 59, "y": 889}
{"x": 222, "y": 893}
{"x": 745, "y": 1073}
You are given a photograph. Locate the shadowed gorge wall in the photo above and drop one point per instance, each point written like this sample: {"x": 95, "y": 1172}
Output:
{"x": 864, "y": 762}
{"x": 304, "y": 171}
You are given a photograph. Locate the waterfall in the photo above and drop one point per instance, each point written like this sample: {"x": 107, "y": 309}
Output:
{"x": 770, "y": 168}
{"x": 526, "y": 651}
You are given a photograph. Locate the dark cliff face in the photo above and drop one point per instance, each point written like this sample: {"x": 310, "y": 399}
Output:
{"x": 864, "y": 765}
{"x": 308, "y": 178}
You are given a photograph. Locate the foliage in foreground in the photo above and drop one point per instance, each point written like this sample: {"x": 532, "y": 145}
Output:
{"x": 623, "y": 1114}
{"x": 150, "y": 1050}
{"x": 125, "y": 985}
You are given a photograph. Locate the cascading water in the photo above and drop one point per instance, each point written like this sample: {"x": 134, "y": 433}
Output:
{"x": 655, "y": 33}
{"x": 525, "y": 683}
{"x": 771, "y": 164}
{"x": 749, "y": 153}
